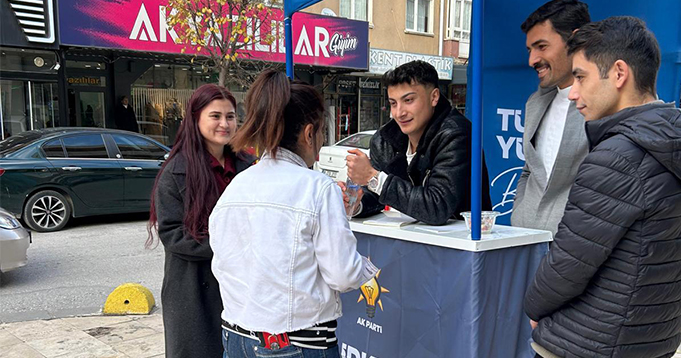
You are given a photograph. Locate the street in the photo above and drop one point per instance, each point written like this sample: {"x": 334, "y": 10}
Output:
{"x": 71, "y": 272}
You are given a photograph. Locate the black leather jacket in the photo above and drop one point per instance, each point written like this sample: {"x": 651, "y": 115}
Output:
{"x": 436, "y": 185}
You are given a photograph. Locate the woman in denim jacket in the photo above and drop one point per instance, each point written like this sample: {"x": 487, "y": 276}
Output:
{"x": 283, "y": 246}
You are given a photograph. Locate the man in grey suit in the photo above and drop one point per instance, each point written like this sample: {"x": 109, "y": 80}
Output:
{"x": 554, "y": 141}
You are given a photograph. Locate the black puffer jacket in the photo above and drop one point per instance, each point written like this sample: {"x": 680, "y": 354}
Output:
{"x": 436, "y": 185}
{"x": 611, "y": 284}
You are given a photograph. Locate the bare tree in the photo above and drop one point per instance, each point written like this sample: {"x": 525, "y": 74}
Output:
{"x": 216, "y": 31}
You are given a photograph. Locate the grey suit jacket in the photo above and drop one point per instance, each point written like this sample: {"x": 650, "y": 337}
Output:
{"x": 540, "y": 201}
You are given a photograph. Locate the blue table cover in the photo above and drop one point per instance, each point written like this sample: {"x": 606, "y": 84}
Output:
{"x": 431, "y": 301}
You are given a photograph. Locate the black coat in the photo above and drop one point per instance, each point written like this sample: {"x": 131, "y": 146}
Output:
{"x": 610, "y": 285}
{"x": 190, "y": 295}
{"x": 125, "y": 119}
{"x": 436, "y": 185}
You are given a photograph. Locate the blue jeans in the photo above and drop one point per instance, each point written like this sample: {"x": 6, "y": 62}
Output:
{"x": 237, "y": 346}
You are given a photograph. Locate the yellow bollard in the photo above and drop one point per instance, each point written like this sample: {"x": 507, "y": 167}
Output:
{"x": 129, "y": 298}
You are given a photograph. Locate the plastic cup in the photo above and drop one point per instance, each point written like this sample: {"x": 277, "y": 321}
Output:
{"x": 487, "y": 220}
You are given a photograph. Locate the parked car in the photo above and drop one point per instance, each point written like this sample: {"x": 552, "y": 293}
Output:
{"x": 48, "y": 176}
{"x": 332, "y": 157}
{"x": 14, "y": 242}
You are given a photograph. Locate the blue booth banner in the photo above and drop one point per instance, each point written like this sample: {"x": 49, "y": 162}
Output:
{"x": 436, "y": 302}
{"x": 508, "y": 81}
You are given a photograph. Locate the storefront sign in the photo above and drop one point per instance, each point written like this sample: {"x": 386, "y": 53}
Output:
{"x": 347, "y": 83}
{"x": 141, "y": 25}
{"x": 367, "y": 83}
{"x": 87, "y": 81}
{"x": 380, "y": 61}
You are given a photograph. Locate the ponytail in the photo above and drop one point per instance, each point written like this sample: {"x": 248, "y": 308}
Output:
{"x": 276, "y": 112}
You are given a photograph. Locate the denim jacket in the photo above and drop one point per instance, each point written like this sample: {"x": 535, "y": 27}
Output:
{"x": 283, "y": 248}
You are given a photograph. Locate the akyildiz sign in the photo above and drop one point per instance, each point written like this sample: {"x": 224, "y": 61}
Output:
{"x": 141, "y": 25}
{"x": 381, "y": 61}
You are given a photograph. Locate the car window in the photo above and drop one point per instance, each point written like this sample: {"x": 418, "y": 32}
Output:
{"x": 54, "y": 149}
{"x": 18, "y": 141}
{"x": 85, "y": 146}
{"x": 133, "y": 147}
{"x": 362, "y": 141}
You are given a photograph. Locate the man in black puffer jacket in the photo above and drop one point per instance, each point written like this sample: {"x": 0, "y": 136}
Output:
{"x": 421, "y": 160}
{"x": 610, "y": 285}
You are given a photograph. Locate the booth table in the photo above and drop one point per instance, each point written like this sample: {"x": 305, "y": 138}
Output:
{"x": 440, "y": 294}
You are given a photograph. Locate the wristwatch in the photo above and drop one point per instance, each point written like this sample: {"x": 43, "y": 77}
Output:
{"x": 373, "y": 183}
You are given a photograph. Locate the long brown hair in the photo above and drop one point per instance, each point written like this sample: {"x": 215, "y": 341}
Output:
{"x": 202, "y": 191}
{"x": 276, "y": 111}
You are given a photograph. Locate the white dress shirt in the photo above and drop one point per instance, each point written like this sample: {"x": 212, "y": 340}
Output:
{"x": 283, "y": 248}
{"x": 550, "y": 131}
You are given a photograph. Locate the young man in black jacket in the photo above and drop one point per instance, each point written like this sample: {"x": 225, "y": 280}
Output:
{"x": 610, "y": 285}
{"x": 421, "y": 160}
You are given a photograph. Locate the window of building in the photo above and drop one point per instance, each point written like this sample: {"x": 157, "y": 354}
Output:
{"x": 420, "y": 16}
{"x": 459, "y": 20}
{"x": 356, "y": 9}
{"x": 27, "y": 105}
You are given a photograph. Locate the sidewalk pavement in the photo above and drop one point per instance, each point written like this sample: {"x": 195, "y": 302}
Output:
{"x": 88, "y": 336}
{"x": 84, "y": 337}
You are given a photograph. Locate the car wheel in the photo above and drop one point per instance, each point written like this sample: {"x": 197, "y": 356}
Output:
{"x": 47, "y": 211}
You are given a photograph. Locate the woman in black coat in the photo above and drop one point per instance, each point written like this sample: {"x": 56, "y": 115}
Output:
{"x": 199, "y": 168}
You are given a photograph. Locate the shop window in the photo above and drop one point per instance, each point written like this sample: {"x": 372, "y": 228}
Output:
{"x": 21, "y": 110}
{"x": 420, "y": 16}
{"x": 14, "y": 107}
{"x": 458, "y": 97}
{"x": 45, "y": 105}
{"x": 459, "y": 20}
{"x": 91, "y": 109}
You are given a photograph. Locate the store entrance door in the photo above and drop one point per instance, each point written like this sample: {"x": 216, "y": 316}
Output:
{"x": 87, "y": 107}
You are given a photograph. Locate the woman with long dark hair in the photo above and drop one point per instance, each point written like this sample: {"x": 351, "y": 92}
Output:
{"x": 198, "y": 170}
{"x": 283, "y": 246}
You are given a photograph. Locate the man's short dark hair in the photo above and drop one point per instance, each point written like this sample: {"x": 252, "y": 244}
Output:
{"x": 418, "y": 71}
{"x": 565, "y": 16}
{"x": 623, "y": 38}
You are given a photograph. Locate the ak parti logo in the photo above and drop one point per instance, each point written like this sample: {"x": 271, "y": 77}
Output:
{"x": 371, "y": 292}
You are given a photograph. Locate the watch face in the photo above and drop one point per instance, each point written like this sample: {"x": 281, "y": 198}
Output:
{"x": 373, "y": 183}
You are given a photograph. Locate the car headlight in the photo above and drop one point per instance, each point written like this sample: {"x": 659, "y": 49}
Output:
{"x": 9, "y": 222}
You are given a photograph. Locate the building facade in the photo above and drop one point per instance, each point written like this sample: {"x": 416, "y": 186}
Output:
{"x": 436, "y": 31}
{"x": 103, "y": 50}
{"x": 29, "y": 67}
{"x": 72, "y": 70}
